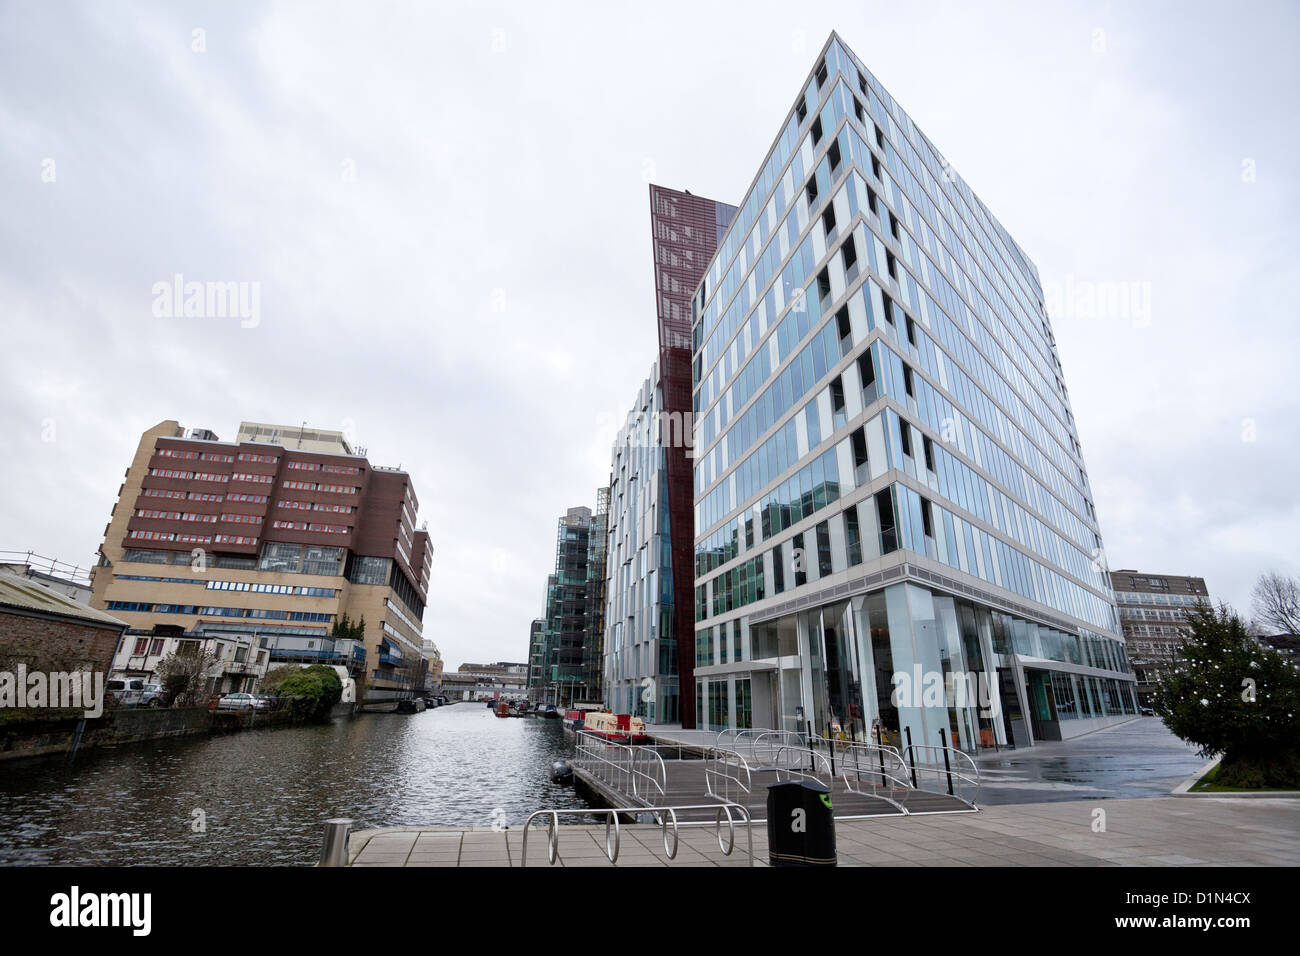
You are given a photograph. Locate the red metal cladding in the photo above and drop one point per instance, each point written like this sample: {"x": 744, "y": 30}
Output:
{"x": 684, "y": 235}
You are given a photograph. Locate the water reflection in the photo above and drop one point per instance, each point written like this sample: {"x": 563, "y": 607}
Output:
{"x": 265, "y": 792}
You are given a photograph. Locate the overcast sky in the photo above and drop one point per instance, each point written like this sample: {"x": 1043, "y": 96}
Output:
{"x": 445, "y": 207}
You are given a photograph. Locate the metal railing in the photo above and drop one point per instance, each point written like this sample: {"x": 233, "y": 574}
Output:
{"x": 630, "y": 768}
{"x": 729, "y": 777}
{"x": 874, "y": 770}
{"x": 866, "y": 768}
{"x": 665, "y": 817}
{"x": 944, "y": 769}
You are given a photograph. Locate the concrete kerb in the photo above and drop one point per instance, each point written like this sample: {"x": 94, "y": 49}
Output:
{"x": 1184, "y": 789}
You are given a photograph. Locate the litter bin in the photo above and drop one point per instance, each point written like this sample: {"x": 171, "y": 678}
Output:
{"x": 800, "y": 824}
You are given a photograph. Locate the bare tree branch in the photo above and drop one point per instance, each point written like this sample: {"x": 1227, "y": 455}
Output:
{"x": 1277, "y": 603}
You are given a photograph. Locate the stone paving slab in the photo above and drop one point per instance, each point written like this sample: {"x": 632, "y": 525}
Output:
{"x": 1163, "y": 831}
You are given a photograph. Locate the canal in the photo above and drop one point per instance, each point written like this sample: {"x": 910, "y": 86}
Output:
{"x": 264, "y": 793}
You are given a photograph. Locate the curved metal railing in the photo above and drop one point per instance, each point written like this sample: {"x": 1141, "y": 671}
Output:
{"x": 874, "y": 770}
{"x": 665, "y": 817}
{"x": 635, "y": 769}
{"x": 944, "y": 769}
{"x": 729, "y": 777}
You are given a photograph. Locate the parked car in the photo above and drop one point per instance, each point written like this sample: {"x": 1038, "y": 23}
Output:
{"x": 243, "y": 702}
{"x": 127, "y": 691}
{"x": 151, "y": 695}
{"x": 1146, "y": 711}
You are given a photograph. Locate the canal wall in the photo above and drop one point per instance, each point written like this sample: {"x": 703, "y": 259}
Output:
{"x": 24, "y": 734}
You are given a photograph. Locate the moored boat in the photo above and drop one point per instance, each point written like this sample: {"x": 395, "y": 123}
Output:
{"x": 618, "y": 728}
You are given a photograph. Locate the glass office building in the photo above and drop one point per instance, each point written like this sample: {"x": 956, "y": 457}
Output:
{"x": 641, "y": 672}
{"x": 894, "y": 529}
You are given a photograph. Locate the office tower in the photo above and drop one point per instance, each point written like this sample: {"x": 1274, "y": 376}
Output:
{"x": 641, "y": 665}
{"x": 562, "y": 680}
{"x": 1152, "y": 610}
{"x": 894, "y": 526}
{"x": 685, "y": 231}
{"x": 267, "y": 553}
{"x": 593, "y": 638}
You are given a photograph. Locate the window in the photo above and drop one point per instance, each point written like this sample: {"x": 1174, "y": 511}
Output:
{"x": 871, "y": 201}
{"x": 893, "y": 225}
{"x": 849, "y": 252}
{"x": 821, "y": 74}
{"x": 928, "y": 448}
{"x": 845, "y": 330}
{"x": 817, "y": 131}
{"x": 833, "y": 154}
{"x": 828, "y": 220}
{"x": 888, "y": 526}
{"x": 911, "y": 331}
{"x": 867, "y": 372}
{"x": 891, "y": 265}
{"x": 859, "y": 442}
{"x": 852, "y": 536}
{"x": 857, "y": 110}
{"x": 823, "y": 286}
{"x": 801, "y": 110}
{"x": 880, "y": 138}
{"x": 811, "y": 192}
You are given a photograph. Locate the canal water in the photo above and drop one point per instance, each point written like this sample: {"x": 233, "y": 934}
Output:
{"x": 264, "y": 793}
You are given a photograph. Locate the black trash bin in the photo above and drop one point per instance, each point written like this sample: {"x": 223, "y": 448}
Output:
{"x": 800, "y": 824}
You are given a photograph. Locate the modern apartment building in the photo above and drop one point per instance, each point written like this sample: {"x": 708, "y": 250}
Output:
{"x": 537, "y": 651}
{"x": 894, "y": 526}
{"x": 561, "y": 676}
{"x": 259, "y": 549}
{"x": 593, "y": 638}
{"x": 1151, "y": 611}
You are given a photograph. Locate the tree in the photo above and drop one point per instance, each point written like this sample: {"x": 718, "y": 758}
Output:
{"x": 349, "y": 630}
{"x": 312, "y": 692}
{"x": 276, "y": 676}
{"x": 184, "y": 676}
{"x": 1276, "y": 600}
{"x": 1229, "y": 695}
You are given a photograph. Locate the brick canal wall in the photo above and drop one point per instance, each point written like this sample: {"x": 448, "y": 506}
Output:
{"x": 28, "y": 733}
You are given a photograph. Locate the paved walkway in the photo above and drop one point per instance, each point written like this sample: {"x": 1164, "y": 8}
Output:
{"x": 1164, "y": 831}
{"x": 1139, "y": 758}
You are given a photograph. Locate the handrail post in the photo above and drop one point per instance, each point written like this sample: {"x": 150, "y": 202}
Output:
{"x": 911, "y": 756}
{"x": 943, "y": 739}
{"x": 881, "y": 754}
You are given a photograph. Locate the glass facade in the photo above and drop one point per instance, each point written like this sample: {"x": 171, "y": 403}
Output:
{"x": 893, "y": 519}
{"x": 640, "y": 661}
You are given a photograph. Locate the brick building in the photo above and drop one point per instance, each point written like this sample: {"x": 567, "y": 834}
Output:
{"x": 259, "y": 548}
